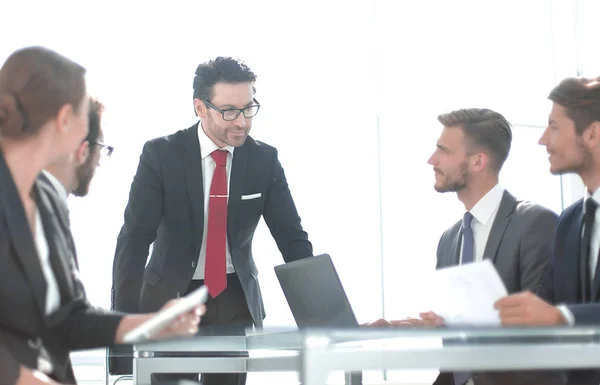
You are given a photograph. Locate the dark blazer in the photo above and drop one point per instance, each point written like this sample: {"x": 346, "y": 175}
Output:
{"x": 563, "y": 283}
{"x": 520, "y": 245}
{"x": 166, "y": 206}
{"x": 24, "y": 327}
{"x": 64, "y": 209}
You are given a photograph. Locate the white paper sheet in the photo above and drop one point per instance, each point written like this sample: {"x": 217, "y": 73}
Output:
{"x": 466, "y": 294}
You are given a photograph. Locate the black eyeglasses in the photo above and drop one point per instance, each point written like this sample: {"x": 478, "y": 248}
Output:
{"x": 105, "y": 149}
{"x": 233, "y": 113}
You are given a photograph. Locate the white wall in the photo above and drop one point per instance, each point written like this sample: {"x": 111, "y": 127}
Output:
{"x": 350, "y": 93}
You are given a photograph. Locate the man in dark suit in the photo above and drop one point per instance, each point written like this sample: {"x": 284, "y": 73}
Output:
{"x": 73, "y": 175}
{"x": 571, "y": 287}
{"x": 198, "y": 195}
{"x": 515, "y": 235}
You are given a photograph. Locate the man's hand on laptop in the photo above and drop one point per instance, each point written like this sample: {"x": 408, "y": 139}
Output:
{"x": 428, "y": 319}
{"x": 378, "y": 323}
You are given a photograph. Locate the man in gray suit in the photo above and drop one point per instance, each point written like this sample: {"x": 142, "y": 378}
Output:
{"x": 516, "y": 235}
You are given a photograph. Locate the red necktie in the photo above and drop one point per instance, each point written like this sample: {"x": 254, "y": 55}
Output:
{"x": 215, "y": 274}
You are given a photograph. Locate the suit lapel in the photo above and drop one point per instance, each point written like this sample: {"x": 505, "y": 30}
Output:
{"x": 236, "y": 184}
{"x": 454, "y": 250}
{"x": 574, "y": 244}
{"x": 21, "y": 236}
{"x": 584, "y": 259}
{"x": 60, "y": 254}
{"x": 503, "y": 217}
{"x": 192, "y": 167}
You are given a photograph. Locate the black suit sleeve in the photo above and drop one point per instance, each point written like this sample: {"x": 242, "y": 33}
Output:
{"x": 9, "y": 367}
{"x": 87, "y": 327}
{"x": 586, "y": 314}
{"x": 536, "y": 251}
{"x": 282, "y": 217}
{"x": 142, "y": 217}
{"x": 83, "y": 326}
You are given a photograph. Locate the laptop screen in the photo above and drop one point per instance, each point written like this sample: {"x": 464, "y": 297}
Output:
{"x": 315, "y": 294}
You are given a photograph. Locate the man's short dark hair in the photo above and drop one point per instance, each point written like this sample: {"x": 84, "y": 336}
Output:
{"x": 94, "y": 115}
{"x": 220, "y": 70}
{"x": 486, "y": 129}
{"x": 581, "y": 98}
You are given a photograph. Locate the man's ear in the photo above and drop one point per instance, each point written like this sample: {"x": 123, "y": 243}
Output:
{"x": 480, "y": 161}
{"x": 200, "y": 108}
{"x": 593, "y": 134}
{"x": 82, "y": 153}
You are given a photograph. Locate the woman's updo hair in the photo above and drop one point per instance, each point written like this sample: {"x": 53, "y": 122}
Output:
{"x": 35, "y": 83}
{"x": 11, "y": 119}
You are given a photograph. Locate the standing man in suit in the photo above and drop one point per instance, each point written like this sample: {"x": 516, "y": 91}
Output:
{"x": 515, "y": 235}
{"x": 572, "y": 283}
{"x": 198, "y": 194}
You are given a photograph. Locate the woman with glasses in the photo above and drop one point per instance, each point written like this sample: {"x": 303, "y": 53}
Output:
{"x": 43, "y": 310}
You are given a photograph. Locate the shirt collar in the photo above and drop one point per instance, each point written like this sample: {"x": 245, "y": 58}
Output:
{"x": 60, "y": 189}
{"x": 207, "y": 146}
{"x": 483, "y": 210}
{"x": 595, "y": 196}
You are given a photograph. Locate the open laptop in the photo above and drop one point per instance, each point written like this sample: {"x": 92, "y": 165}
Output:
{"x": 315, "y": 293}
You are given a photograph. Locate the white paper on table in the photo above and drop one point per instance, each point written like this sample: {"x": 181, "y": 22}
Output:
{"x": 466, "y": 294}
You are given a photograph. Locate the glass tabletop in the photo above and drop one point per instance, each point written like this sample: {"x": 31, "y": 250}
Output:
{"x": 282, "y": 339}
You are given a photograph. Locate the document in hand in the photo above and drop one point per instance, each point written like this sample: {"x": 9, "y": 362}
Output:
{"x": 466, "y": 294}
{"x": 166, "y": 315}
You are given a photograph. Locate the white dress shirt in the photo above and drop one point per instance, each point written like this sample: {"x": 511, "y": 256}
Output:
{"x": 484, "y": 212}
{"x": 207, "y": 146}
{"x": 593, "y": 252}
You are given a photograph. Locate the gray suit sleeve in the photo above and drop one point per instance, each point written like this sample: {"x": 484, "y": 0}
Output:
{"x": 439, "y": 263}
{"x": 536, "y": 249}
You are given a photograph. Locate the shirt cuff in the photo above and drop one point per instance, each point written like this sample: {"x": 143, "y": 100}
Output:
{"x": 567, "y": 315}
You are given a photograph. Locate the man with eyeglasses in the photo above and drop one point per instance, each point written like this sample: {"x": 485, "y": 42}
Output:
{"x": 74, "y": 175}
{"x": 198, "y": 195}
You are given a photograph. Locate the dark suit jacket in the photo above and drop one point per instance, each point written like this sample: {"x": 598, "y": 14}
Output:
{"x": 520, "y": 246}
{"x": 563, "y": 283}
{"x": 64, "y": 209}
{"x": 166, "y": 206}
{"x": 24, "y": 327}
